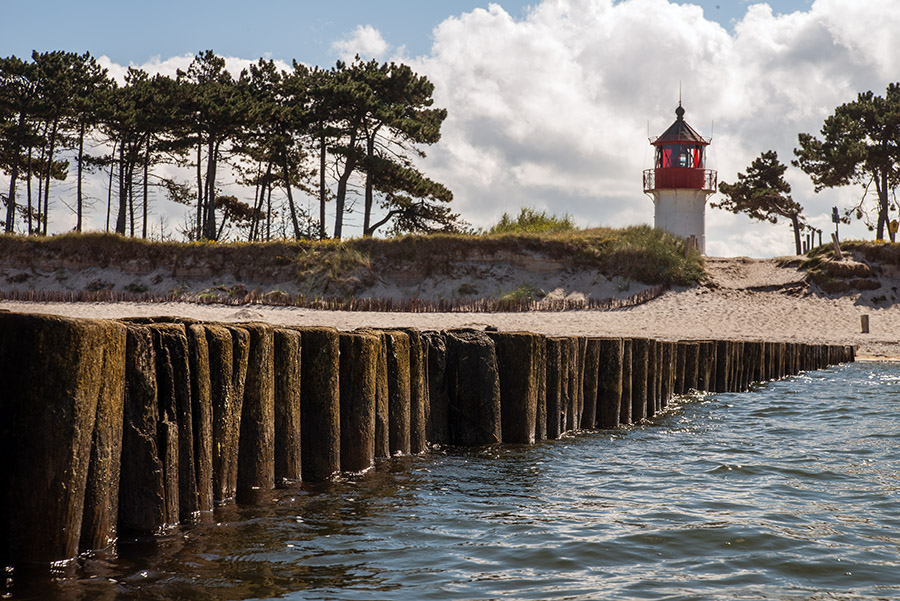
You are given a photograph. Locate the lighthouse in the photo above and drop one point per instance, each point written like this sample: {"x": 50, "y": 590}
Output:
{"x": 679, "y": 183}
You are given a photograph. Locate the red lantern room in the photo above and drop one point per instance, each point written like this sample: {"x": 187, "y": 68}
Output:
{"x": 680, "y": 159}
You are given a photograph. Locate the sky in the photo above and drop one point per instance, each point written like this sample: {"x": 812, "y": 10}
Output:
{"x": 550, "y": 102}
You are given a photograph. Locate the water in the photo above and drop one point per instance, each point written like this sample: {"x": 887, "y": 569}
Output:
{"x": 788, "y": 492}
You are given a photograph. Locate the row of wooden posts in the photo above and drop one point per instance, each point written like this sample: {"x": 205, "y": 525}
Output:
{"x": 122, "y": 428}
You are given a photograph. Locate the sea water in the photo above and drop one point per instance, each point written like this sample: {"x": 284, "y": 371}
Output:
{"x": 791, "y": 491}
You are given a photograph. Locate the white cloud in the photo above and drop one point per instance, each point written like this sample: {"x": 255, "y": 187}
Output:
{"x": 365, "y": 40}
{"x": 551, "y": 111}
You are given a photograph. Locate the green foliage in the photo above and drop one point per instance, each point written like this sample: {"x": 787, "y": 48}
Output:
{"x": 523, "y": 292}
{"x": 763, "y": 194}
{"x": 860, "y": 145}
{"x": 529, "y": 221}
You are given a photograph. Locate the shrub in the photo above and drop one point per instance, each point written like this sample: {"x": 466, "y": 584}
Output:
{"x": 530, "y": 221}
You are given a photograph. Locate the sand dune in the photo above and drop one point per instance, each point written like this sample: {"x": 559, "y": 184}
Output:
{"x": 744, "y": 299}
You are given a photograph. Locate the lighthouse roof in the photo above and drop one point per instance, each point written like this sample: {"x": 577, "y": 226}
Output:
{"x": 680, "y": 132}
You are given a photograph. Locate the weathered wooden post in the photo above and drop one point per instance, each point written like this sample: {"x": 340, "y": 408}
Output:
{"x": 707, "y": 366}
{"x": 201, "y": 411}
{"x": 399, "y": 391}
{"x": 142, "y": 493}
{"x": 692, "y": 358}
{"x": 640, "y": 358}
{"x": 382, "y": 397}
{"x": 47, "y": 429}
{"x": 101, "y": 499}
{"x": 590, "y": 369}
{"x": 320, "y": 416}
{"x": 358, "y": 389}
{"x": 516, "y": 368}
{"x": 473, "y": 387}
{"x": 256, "y": 448}
{"x": 556, "y": 378}
{"x": 418, "y": 392}
{"x": 438, "y": 431}
{"x": 174, "y": 384}
{"x": 627, "y": 379}
{"x": 288, "y": 376}
{"x": 724, "y": 350}
{"x": 540, "y": 422}
{"x": 610, "y": 359}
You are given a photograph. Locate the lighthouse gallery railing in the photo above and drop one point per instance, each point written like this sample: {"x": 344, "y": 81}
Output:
{"x": 668, "y": 178}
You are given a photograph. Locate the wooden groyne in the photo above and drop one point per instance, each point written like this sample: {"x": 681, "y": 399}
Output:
{"x": 126, "y": 428}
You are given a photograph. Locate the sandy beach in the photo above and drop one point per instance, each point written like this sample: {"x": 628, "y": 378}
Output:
{"x": 744, "y": 299}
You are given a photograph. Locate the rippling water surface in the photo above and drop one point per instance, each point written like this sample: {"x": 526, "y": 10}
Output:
{"x": 788, "y": 492}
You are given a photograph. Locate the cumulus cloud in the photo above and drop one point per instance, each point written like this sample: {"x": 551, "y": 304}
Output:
{"x": 552, "y": 110}
{"x": 365, "y": 40}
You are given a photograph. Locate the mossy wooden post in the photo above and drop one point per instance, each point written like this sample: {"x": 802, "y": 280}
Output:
{"x": 610, "y": 355}
{"x": 723, "y": 365}
{"x": 320, "y": 419}
{"x": 590, "y": 368}
{"x": 418, "y": 392}
{"x": 382, "y": 397}
{"x": 201, "y": 409}
{"x": 46, "y": 432}
{"x": 256, "y": 448}
{"x": 438, "y": 428}
{"x": 288, "y": 374}
{"x": 653, "y": 377}
{"x": 759, "y": 373}
{"x": 142, "y": 494}
{"x": 101, "y": 499}
{"x": 680, "y": 349}
{"x": 228, "y": 352}
{"x": 707, "y": 366}
{"x": 474, "y": 388}
{"x": 358, "y": 390}
{"x": 781, "y": 353}
{"x": 668, "y": 374}
{"x": 399, "y": 392}
{"x": 692, "y": 358}
{"x": 556, "y": 382}
{"x": 640, "y": 358}
{"x": 516, "y": 368}
{"x": 540, "y": 421}
{"x": 625, "y": 406}
{"x": 574, "y": 383}
{"x": 174, "y": 383}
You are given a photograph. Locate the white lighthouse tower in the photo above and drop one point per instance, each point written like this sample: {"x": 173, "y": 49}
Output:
{"x": 679, "y": 183}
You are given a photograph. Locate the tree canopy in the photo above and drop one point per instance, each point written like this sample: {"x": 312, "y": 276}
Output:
{"x": 763, "y": 194}
{"x": 344, "y": 138}
{"x": 860, "y": 144}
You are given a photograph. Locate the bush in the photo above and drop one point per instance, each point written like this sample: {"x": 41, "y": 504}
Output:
{"x": 530, "y": 221}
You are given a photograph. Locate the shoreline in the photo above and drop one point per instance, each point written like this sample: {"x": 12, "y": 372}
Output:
{"x": 682, "y": 314}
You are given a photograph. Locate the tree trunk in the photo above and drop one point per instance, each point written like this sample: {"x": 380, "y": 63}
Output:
{"x": 322, "y": 196}
{"x": 28, "y": 177}
{"x": 53, "y": 133}
{"x": 146, "y": 199}
{"x": 123, "y": 193}
{"x": 349, "y": 165}
{"x": 290, "y": 195}
{"x": 795, "y": 223}
{"x": 79, "y": 201}
{"x": 200, "y": 203}
{"x": 13, "y": 174}
{"x": 367, "y": 211}
{"x": 883, "y": 206}
{"x": 112, "y": 164}
{"x": 209, "y": 226}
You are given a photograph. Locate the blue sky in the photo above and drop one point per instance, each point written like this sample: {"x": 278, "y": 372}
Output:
{"x": 549, "y": 101}
{"x": 134, "y": 32}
